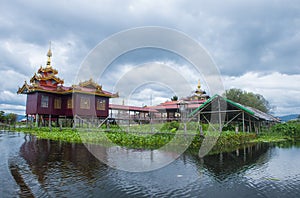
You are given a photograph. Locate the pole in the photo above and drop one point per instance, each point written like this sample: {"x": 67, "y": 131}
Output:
{"x": 220, "y": 118}
{"x": 36, "y": 120}
{"x": 49, "y": 123}
{"x": 243, "y": 117}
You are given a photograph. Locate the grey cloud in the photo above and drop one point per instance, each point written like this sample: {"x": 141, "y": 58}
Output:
{"x": 242, "y": 36}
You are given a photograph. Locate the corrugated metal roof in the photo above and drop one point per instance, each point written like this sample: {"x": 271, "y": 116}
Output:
{"x": 263, "y": 115}
{"x": 250, "y": 110}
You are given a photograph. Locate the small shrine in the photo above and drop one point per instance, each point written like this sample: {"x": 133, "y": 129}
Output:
{"x": 198, "y": 94}
{"x": 48, "y": 99}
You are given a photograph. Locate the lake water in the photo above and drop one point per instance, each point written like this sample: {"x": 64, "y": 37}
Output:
{"x": 41, "y": 168}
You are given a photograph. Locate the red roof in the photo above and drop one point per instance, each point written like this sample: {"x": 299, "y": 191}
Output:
{"x": 193, "y": 104}
{"x": 131, "y": 108}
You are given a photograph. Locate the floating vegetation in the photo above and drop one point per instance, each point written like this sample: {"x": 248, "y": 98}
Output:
{"x": 154, "y": 136}
{"x": 271, "y": 179}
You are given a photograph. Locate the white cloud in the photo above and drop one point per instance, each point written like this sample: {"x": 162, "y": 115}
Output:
{"x": 245, "y": 40}
{"x": 11, "y": 98}
{"x": 10, "y": 80}
{"x": 281, "y": 90}
{"x": 9, "y": 108}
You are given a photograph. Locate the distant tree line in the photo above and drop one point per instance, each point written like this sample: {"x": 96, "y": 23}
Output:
{"x": 9, "y": 118}
{"x": 248, "y": 99}
{"x": 245, "y": 98}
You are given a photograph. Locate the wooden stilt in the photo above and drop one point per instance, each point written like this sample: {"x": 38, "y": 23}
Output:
{"x": 37, "y": 120}
{"x": 243, "y": 119}
{"x": 50, "y": 122}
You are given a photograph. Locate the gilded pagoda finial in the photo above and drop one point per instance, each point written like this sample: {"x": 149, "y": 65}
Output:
{"x": 199, "y": 85}
{"x": 49, "y": 54}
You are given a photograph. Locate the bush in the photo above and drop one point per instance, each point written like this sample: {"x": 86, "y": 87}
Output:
{"x": 170, "y": 126}
{"x": 290, "y": 129}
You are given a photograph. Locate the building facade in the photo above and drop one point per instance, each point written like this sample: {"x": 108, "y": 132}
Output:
{"x": 48, "y": 99}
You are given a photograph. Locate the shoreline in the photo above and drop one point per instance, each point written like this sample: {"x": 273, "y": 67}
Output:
{"x": 226, "y": 142}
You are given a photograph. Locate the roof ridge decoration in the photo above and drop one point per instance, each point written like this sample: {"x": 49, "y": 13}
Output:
{"x": 90, "y": 84}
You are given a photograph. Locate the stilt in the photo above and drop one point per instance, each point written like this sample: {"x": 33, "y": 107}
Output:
{"x": 74, "y": 122}
{"x": 243, "y": 117}
{"x": 201, "y": 130}
{"x": 220, "y": 118}
{"x": 37, "y": 120}
{"x": 250, "y": 125}
{"x": 26, "y": 120}
{"x": 50, "y": 122}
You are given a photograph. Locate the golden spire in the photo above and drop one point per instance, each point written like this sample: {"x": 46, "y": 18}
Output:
{"x": 49, "y": 54}
{"x": 199, "y": 86}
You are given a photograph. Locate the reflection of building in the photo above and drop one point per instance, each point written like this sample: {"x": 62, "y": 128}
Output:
{"x": 223, "y": 165}
{"x": 48, "y": 99}
{"x": 47, "y": 159}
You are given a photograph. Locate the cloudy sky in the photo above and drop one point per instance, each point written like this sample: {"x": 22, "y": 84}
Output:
{"x": 254, "y": 44}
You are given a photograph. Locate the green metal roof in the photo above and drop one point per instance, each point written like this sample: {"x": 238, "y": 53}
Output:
{"x": 201, "y": 106}
{"x": 237, "y": 105}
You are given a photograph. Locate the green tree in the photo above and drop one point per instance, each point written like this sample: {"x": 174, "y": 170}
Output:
{"x": 248, "y": 99}
{"x": 174, "y": 98}
{"x": 2, "y": 116}
{"x": 11, "y": 118}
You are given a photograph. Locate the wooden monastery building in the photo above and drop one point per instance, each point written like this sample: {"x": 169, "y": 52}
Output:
{"x": 48, "y": 99}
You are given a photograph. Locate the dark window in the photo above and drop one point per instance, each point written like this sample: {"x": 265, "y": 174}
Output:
{"x": 44, "y": 101}
{"x": 101, "y": 104}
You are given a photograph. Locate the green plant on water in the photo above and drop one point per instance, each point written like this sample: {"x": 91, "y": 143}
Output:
{"x": 168, "y": 126}
{"x": 140, "y": 137}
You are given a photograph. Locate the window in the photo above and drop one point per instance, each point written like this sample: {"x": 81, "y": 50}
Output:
{"x": 84, "y": 103}
{"x": 44, "y": 101}
{"x": 70, "y": 103}
{"x": 101, "y": 104}
{"x": 57, "y": 103}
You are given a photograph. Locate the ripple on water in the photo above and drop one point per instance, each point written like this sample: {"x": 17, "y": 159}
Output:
{"x": 53, "y": 169}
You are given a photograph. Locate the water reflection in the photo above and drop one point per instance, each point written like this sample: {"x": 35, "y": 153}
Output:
{"x": 58, "y": 169}
{"x": 224, "y": 164}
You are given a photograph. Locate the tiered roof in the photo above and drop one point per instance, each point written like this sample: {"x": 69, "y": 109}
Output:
{"x": 45, "y": 80}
